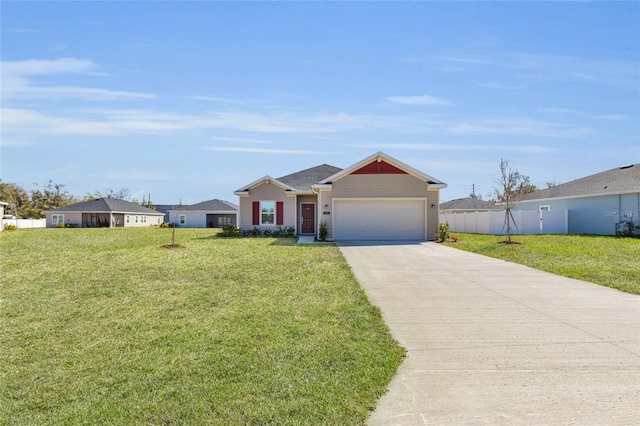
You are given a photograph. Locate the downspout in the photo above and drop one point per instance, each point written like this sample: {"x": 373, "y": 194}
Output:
{"x": 318, "y": 207}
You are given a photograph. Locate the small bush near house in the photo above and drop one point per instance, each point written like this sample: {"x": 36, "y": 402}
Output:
{"x": 10, "y": 227}
{"x": 230, "y": 231}
{"x": 324, "y": 232}
{"x": 443, "y": 232}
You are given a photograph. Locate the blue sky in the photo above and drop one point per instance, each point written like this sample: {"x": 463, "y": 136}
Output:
{"x": 189, "y": 101}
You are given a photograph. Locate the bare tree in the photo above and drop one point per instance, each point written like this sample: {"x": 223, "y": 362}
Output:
{"x": 511, "y": 184}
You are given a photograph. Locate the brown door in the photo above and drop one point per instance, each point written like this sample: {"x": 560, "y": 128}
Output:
{"x": 308, "y": 218}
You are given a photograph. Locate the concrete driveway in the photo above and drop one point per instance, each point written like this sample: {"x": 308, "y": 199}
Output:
{"x": 492, "y": 342}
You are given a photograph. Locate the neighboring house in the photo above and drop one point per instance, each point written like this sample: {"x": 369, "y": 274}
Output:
{"x": 467, "y": 205}
{"x": 103, "y": 212}
{"x": 207, "y": 214}
{"x": 378, "y": 198}
{"x": 164, "y": 208}
{"x": 599, "y": 204}
{"x": 3, "y": 206}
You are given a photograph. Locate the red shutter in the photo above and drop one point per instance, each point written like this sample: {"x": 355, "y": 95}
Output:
{"x": 279, "y": 213}
{"x": 256, "y": 213}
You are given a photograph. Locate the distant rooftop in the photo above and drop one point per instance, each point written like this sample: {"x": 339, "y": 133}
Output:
{"x": 615, "y": 181}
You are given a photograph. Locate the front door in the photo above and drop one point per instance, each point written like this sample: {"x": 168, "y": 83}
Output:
{"x": 308, "y": 218}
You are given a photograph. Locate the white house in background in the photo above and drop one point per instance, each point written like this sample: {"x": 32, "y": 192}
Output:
{"x": 600, "y": 204}
{"x": 103, "y": 213}
{"x": 207, "y": 214}
{"x": 3, "y": 206}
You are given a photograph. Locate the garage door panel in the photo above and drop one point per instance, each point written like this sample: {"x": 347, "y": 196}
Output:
{"x": 379, "y": 219}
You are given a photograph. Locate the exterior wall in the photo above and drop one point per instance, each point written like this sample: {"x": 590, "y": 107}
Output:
{"x": 69, "y": 218}
{"x": 75, "y": 218}
{"x": 267, "y": 192}
{"x": 593, "y": 215}
{"x": 381, "y": 185}
{"x": 194, "y": 219}
{"x": 151, "y": 220}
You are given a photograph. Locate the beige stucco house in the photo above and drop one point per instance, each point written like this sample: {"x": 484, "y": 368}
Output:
{"x": 377, "y": 198}
{"x": 104, "y": 213}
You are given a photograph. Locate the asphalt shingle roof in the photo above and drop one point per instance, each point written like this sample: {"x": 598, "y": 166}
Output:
{"x": 614, "y": 181}
{"x": 106, "y": 205}
{"x": 210, "y": 205}
{"x": 468, "y": 204}
{"x": 303, "y": 179}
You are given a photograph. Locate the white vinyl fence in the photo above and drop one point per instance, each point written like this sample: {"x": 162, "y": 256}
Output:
{"x": 24, "y": 223}
{"x": 526, "y": 222}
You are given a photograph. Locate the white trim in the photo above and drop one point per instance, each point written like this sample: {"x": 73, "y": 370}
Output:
{"x": 379, "y": 156}
{"x": 266, "y": 179}
{"x": 424, "y": 199}
{"x": 275, "y": 212}
{"x": 571, "y": 197}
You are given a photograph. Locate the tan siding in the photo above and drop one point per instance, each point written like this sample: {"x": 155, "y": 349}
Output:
{"x": 267, "y": 192}
{"x": 384, "y": 185}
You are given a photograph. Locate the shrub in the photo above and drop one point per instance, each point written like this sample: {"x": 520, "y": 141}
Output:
{"x": 255, "y": 232}
{"x": 443, "y": 232}
{"x": 324, "y": 232}
{"x": 229, "y": 231}
{"x": 10, "y": 227}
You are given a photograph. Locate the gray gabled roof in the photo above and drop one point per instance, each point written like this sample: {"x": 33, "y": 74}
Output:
{"x": 615, "y": 181}
{"x": 303, "y": 179}
{"x": 105, "y": 205}
{"x": 472, "y": 204}
{"x": 209, "y": 205}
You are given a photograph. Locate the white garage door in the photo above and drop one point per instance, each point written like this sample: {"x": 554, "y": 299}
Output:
{"x": 379, "y": 219}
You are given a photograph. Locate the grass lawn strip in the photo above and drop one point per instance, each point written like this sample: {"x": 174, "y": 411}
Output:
{"x": 608, "y": 261}
{"x": 103, "y": 326}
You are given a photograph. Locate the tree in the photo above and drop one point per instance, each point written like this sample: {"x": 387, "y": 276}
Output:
{"x": 18, "y": 200}
{"x": 511, "y": 185}
{"x": 51, "y": 197}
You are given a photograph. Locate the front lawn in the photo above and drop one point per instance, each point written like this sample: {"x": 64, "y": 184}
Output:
{"x": 609, "y": 261}
{"x": 104, "y": 326}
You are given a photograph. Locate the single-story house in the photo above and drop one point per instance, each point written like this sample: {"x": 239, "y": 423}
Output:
{"x": 164, "y": 208}
{"x": 468, "y": 205}
{"x": 377, "y": 198}
{"x": 599, "y": 204}
{"x": 103, "y": 212}
{"x": 207, "y": 214}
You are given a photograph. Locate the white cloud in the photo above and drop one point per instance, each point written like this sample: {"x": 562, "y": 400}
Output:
{"x": 417, "y": 100}
{"x": 17, "y": 81}
{"x": 524, "y": 127}
{"x": 260, "y": 150}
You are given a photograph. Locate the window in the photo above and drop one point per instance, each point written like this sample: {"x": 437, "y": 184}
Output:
{"x": 137, "y": 219}
{"x": 57, "y": 219}
{"x": 267, "y": 212}
{"x": 127, "y": 218}
{"x": 143, "y": 219}
{"x": 224, "y": 220}
{"x": 545, "y": 208}
{"x": 183, "y": 219}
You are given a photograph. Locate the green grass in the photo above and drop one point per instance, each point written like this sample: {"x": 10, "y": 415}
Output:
{"x": 104, "y": 326}
{"x": 609, "y": 261}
